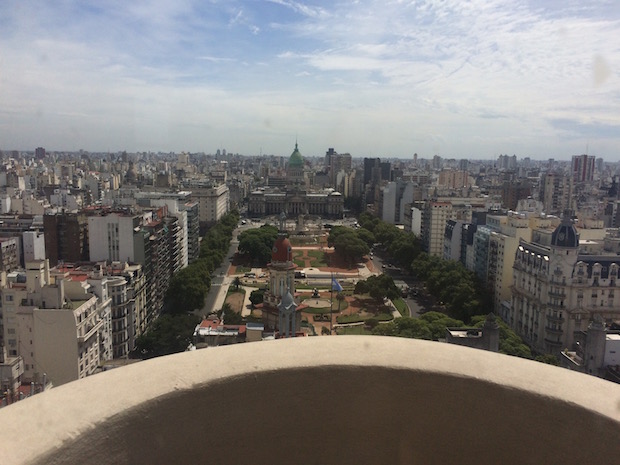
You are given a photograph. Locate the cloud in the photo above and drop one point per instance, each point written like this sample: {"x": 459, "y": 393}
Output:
{"x": 301, "y": 8}
{"x": 216, "y": 59}
{"x": 583, "y": 130}
{"x": 484, "y": 76}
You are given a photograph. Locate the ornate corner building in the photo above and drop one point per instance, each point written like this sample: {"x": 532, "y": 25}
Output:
{"x": 558, "y": 289}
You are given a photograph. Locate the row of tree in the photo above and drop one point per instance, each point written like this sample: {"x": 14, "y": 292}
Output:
{"x": 459, "y": 289}
{"x": 172, "y": 331}
{"x": 401, "y": 246}
{"x": 189, "y": 287}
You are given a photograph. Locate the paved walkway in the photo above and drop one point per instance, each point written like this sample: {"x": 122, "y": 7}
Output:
{"x": 247, "y": 305}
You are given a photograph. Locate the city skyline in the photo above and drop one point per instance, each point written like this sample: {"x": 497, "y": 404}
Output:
{"x": 375, "y": 79}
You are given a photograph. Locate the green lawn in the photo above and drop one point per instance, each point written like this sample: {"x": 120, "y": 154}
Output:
{"x": 319, "y": 287}
{"x": 401, "y": 306}
{"x": 242, "y": 269}
{"x": 317, "y": 258}
{"x": 356, "y": 318}
{"x": 232, "y": 290}
{"x": 353, "y": 330}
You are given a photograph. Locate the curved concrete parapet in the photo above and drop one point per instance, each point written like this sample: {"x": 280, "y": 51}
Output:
{"x": 345, "y": 400}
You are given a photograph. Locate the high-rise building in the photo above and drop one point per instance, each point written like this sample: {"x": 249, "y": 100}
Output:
{"x": 583, "y": 168}
{"x": 434, "y": 218}
{"x": 66, "y": 237}
{"x": 556, "y": 193}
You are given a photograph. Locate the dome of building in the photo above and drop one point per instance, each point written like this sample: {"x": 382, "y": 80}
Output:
{"x": 296, "y": 160}
{"x": 565, "y": 235}
{"x": 282, "y": 250}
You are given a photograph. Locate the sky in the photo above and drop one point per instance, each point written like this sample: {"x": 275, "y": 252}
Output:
{"x": 460, "y": 79}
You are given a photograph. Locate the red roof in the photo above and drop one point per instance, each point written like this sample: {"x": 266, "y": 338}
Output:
{"x": 282, "y": 250}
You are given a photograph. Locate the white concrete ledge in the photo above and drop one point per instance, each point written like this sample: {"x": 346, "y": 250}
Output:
{"x": 345, "y": 399}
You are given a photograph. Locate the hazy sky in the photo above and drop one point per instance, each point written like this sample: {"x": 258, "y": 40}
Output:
{"x": 373, "y": 78}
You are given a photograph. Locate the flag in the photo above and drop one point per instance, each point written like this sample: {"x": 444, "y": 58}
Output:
{"x": 336, "y": 285}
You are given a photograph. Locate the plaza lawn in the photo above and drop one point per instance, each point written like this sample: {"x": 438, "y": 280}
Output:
{"x": 317, "y": 258}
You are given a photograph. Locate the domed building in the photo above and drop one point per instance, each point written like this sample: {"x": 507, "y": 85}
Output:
{"x": 280, "y": 312}
{"x": 295, "y": 172}
{"x": 558, "y": 288}
{"x": 294, "y": 195}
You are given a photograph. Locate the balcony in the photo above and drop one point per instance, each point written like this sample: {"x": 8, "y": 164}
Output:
{"x": 557, "y": 293}
{"x": 327, "y": 400}
{"x": 552, "y": 330}
{"x": 555, "y": 319}
{"x": 556, "y": 305}
{"x": 90, "y": 331}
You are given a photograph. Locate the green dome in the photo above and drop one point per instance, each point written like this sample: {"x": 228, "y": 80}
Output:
{"x": 296, "y": 160}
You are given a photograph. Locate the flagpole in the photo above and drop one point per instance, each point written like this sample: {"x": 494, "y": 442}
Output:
{"x": 331, "y": 305}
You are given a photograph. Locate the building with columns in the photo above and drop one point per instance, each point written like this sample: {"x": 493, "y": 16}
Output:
{"x": 296, "y": 197}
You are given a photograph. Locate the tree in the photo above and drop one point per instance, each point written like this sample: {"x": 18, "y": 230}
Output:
{"x": 365, "y": 235}
{"x": 550, "y": 359}
{"x": 256, "y": 296}
{"x": 258, "y": 242}
{"x": 378, "y": 287}
{"x": 187, "y": 291}
{"x": 229, "y": 316}
{"x": 404, "y": 249}
{"x": 169, "y": 334}
{"x": 509, "y": 342}
{"x": 405, "y": 327}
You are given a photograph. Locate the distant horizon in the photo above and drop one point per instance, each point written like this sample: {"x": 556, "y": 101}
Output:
{"x": 360, "y": 157}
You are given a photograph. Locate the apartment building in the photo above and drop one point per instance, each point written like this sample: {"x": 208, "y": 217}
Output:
{"x": 62, "y": 330}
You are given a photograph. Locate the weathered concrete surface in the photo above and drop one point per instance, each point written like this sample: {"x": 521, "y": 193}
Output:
{"x": 345, "y": 399}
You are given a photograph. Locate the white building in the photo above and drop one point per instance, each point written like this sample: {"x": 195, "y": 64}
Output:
{"x": 63, "y": 334}
{"x": 111, "y": 237}
{"x": 213, "y": 202}
{"x": 34, "y": 246}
